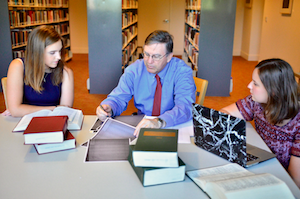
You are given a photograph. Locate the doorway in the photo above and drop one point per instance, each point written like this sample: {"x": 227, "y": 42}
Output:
{"x": 162, "y": 15}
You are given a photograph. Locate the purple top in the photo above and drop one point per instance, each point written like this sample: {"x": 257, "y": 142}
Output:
{"x": 283, "y": 141}
{"x": 50, "y": 96}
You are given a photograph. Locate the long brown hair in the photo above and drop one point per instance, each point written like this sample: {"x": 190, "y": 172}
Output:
{"x": 38, "y": 40}
{"x": 278, "y": 78}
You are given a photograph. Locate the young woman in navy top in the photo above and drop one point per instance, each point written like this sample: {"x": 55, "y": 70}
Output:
{"x": 40, "y": 80}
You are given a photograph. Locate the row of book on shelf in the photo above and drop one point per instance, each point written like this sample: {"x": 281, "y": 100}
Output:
{"x": 38, "y": 3}
{"x": 193, "y": 18}
{"x": 128, "y": 52}
{"x": 31, "y": 17}
{"x": 192, "y": 34}
{"x": 128, "y": 34}
{"x": 128, "y": 18}
{"x": 193, "y": 4}
{"x": 192, "y": 52}
{"x": 20, "y": 36}
{"x": 129, "y": 4}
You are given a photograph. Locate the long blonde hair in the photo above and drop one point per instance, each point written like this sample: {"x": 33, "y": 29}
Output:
{"x": 38, "y": 40}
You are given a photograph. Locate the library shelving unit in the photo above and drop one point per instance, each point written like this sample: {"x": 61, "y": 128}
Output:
{"x": 191, "y": 32}
{"x": 5, "y": 42}
{"x": 24, "y": 15}
{"x": 112, "y": 28}
{"x": 209, "y": 31}
{"x": 129, "y": 32}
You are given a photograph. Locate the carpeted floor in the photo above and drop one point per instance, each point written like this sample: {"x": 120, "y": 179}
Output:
{"x": 241, "y": 74}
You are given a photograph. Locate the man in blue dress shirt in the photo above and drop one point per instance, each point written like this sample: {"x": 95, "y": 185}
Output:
{"x": 138, "y": 81}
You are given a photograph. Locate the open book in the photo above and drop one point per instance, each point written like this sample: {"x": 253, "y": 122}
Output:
{"x": 232, "y": 181}
{"x": 74, "y": 122}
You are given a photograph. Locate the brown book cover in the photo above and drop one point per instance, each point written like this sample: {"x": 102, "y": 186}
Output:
{"x": 48, "y": 129}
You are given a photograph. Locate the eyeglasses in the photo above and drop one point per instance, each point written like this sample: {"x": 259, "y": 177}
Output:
{"x": 154, "y": 57}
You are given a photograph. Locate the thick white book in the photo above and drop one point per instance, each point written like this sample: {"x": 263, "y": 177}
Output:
{"x": 68, "y": 143}
{"x": 74, "y": 122}
{"x": 232, "y": 181}
{"x": 156, "y": 148}
{"x": 157, "y": 175}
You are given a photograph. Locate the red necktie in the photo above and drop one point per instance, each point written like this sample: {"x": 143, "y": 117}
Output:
{"x": 157, "y": 98}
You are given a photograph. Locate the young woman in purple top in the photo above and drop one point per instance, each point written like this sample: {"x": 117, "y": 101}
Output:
{"x": 275, "y": 108}
{"x": 41, "y": 80}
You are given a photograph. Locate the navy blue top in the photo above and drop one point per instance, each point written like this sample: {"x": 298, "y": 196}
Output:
{"x": 50, "y": 96}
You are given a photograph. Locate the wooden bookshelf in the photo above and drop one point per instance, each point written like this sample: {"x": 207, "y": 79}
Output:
{"x": 208, "y": 42}
{"x": 112, "y": 32}
{"x": 129, "y": 32}
{"x": 192, "y": 29}
{"x": 24, "y": 15}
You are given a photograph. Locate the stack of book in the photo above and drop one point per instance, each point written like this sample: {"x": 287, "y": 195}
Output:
{"x": 49, "y": 134}
{"x": 154, "y": 157}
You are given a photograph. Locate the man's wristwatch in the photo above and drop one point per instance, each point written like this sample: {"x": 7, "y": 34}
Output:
{"x": 161, "y": 123}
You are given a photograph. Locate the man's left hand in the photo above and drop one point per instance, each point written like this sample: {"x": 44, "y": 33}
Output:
{"x": 147, "y": 123}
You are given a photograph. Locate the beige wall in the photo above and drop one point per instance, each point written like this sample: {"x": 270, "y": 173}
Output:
{"x": 252, "y": 30}
{"x": 78, "y": 26}
{"x": 174, "y": 10}
{"x": 238, "y": 31}
{"x": 281, "y": 33}
{"x": 79, "y": 32}
{"x": 262, "y": 36}
{"x": 177, "y": 15}
{"x": 266, "y": 33}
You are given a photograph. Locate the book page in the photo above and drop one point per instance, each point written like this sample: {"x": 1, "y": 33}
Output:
{"x": 114, "y": 129}
{"x": 248, "y": 182}
{"x": 22, "y": 125}
{"x": 62, "y": 110}
{"x": 264, "y": 186}
{"x": 203, "y": 176}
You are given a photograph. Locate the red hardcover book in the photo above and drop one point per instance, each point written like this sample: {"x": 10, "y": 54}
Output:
{"x": 68, "y": 143}
{"x": 48, "y": 129}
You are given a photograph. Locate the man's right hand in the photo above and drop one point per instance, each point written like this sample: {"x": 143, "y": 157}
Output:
{"x": 103, "y": 111}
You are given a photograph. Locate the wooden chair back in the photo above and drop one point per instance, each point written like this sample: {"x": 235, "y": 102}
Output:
{"x": 3, "y": 82}
{"x": 201, "y": 87}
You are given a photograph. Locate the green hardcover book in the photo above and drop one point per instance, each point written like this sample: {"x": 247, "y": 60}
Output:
{"x": 156, "y": 148}
{"x": 154, "y": 175}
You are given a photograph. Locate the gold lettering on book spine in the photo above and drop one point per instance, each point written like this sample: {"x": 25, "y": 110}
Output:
{"x": 159, "y": 133}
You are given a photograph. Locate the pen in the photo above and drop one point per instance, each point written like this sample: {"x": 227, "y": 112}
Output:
{"x": 103, "y": 109}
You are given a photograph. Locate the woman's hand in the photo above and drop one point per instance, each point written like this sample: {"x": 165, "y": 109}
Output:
{"x": 6, "y": 113}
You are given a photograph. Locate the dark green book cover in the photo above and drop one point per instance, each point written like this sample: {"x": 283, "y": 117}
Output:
{"x": 150, "y": 175}
{"x": 157, "y": 140}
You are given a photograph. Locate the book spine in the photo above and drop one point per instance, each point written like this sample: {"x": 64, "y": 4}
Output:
{"x": 139, "y": 171}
